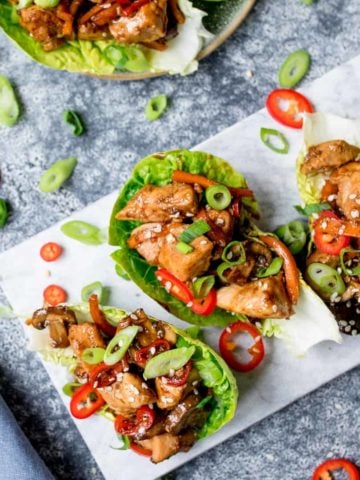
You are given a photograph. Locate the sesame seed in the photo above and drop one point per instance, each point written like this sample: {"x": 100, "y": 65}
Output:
{"x": 189, "y": 214}
{"x": 189, "y": 304}
{"x": 352, "y": 322}
{"x": 203, "y": 242}
{"x": 157, "y": 228}
{"x": 342, "y": 229}
{"x": 347, "y": 329}
{"x": 96, "y": 383}
{"x": 144, "y": 385}
{"x": 352, "y": 196}
{"x": 220, "y": 221}
{"x": 168, "y": 286}
{"x": 324, "y": 224}
{"x": 147, "y": 234}
{"x": 355, "y": 214}
{"x": 339, "y": 270}
{"x": 348, "y": 304}
{"x": 354, "y": 332}
{"x": 195, "y": 382}
{"x": 228, "y": 329}
{"x": 196, "y": 391}
{"x": 274, "y": 308}
{"x": 133, "y": 316}
{"x": 171, "y": 372}
{"x": 131, "y": 399}
{"x": 249, "y": 73}
{"x": 332, "y": 197}
{"x": 357, "y": 201}
{"x": 152, "y": 350}
{"x": 343, "y": 323}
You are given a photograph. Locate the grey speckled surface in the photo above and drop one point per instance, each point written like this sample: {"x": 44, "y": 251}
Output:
{"x": 289, "y": 444}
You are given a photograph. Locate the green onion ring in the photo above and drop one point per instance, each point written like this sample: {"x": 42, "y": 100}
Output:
{"x": 202, "y": 286}
{"x": 294, "y": 68}
{"x": 218, "y": 197}
{"x": 70, "y": 388}
{"x": 349, "y": 271}
{"x": 234, "y": 250}
{"x": 267, "y": 133}
{"x": 221, "y": 269}
{"x": 93, "y": 288}
{"x": 325, "y": 280}
{"x": 93, "y": 356}
{"x": 122, "y": 341}
{"x": 273, "y": 269}
{"x": 83, "y": 232}
{"x": 173, "y": 359}
{"x": 156, "y": 107}
{"x": 57, "y": 174}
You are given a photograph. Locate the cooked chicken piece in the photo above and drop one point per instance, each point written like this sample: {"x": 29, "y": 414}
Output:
{"x": 127, "y": 394}
{"x": 147, "y": 240}
{"x": 262, "y": 253}
{"x": 222, "y": 219}
{"x": 328, "y": 155}
{"x": 85, "y": 335}
{"x": 43, "y": 25}
{"x": 240, "y": 274}
{"x": 90, "y": 31}
{"x": 147, "y": 332}
{"x": 265, "y": 298}
{"x": 165, "y": 331}
{"x": 185, "y": 415}
{"x": 148, "y": 24}
{"x": 165, "y": 445}
{"x": 161, "y": 204}
{"x": 320, "y": 257}
{"x": 157, "y": 429}
{"x": 347, "y": 180}
{"x": 189, "y": 265}
{"x": 168, "y": 395}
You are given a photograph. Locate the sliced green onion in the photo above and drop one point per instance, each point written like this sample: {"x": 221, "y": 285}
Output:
{"x": 83, "y": 232}
{"x": 234, "y": 253}
{"x": 294, "y": 68}
{"x": 349, "y": 271}
{"x": 125, "y": 442}
{"x": 218, "y": 197}
{"x": 93, "y": 356}
{"x": 163, "y": 363}
{"x": 269, "y": 135}
{"x": 74, "y": 120}
{"x": 9, "y": 105}
{"x": 204, "y": 402}
{"x": 156, "y": 107}
{"x": 91, "y": 289}
{"x": 4, "y": 212}
{"x": 184, "y": 248}
{"x": 312, "y": 208}
{"x": 119, "y": 345}
{"x": 202, "y": 286}
{"x": 273, "y": 269}
{"x": 47, "y": 3}
{"x": 121, "y": 272}
{"x": 195, "y": 230}
{"x": 294, "y": 235}
{"x": 57, "y": 174}
{"x": 325, "y": 280}
{"x": 221, "y": 269}
{"x": 70, "y": 388}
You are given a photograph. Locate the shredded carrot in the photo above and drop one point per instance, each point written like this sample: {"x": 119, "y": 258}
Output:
{"x": 63, "y": 14}
{"x": 75, "y": 5}
{"x": 87, "y": 16}
{"x": 178, "y": 15}
{"x": 106, "y": 15}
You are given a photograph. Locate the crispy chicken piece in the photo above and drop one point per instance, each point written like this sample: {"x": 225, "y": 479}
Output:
{"x": 43, "y": 25}
{"x": 161, "y": 204}
{"x": 127, "y": 394}
{"x": 165, "y": 445}
{"x": 85, "y": 335}
{"x": 320, "y": 257}
{"x": 168, "y": 395}
{"x": 347, "y": 180}
{"x": 147, "y": 240}
{"x": 328, "y": 155}
{"x": 265, "y": 298}
{"x": 148, "y": 24}
{"x": 222, "y": 219}
{"x": 185, "y": 415}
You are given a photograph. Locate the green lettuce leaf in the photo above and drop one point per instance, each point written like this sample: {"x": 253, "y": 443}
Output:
{"x": 157, "y": 169}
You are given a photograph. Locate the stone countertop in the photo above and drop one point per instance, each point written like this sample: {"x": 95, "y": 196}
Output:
{"x": 288, "y": 444}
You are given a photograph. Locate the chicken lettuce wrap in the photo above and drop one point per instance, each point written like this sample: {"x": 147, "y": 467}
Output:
{"x": 163, "y": 388}
{"x": 184, "y": 225}
{"x": 107, "y": 36}
{"x": 328, "y": 172}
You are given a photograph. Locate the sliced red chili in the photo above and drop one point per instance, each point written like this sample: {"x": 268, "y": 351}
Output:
{"x": 180, "y": 376}
{"x": 324, "y": 471}
{"x": 204, "y": 306}
{"x": 99, "y": 317}
{"x": 236, "y": 207}
{"x": 286, "y": 106}
{"x": 142, "y": 355}
{"x": 50, "y": 252}
{"x": 103, "y": 375}
{"x": 174, "y": 286}
{"x": 145, "y": 418}
{"x": 134, "y": 7}
{"x": 324, "y": 238}
{"x": 227, "y": 346}
{"x": 140, "y": 450}
{"x": 54, "y": 294}
{"x": 85, "y": 401}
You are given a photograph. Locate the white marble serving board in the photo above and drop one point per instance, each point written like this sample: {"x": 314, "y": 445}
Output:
{"x": 281, "y": 378}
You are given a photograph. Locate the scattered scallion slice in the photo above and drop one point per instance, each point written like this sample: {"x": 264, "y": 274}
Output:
{"x": 325, "y": 280}
{"x": 119, "y": 345}
{"x": 162, "y": 363}
{"x": 93, "y": 288}
{"x": 273, "y": 269}
{"x": 234, "y": 253}
{"x": 293, "y": 234}
{"x": 70, "y": 388}
{"x": 4, "y": 212}
{"x": 294, "y": 68}
{"x": 184, "y": 248}
{"x": 202, "y": 286}
{"x": 57, "y": 174}
{"x": 93, "y": 356}
{"x": 221, "y": 269}
{"x": 83, "y": 232}
{"x": 218, "y": 197}
{"x": 195, "y": 230}
{"x": 9, "y": 105}
{"x": 312, "y": 208}
{"x": 156, "y": 107}
{"x": 349, "y": 271}
{"x": 47, "y": 3}
{"x": 74, "y": 120}
{"x": 269, "y": 135}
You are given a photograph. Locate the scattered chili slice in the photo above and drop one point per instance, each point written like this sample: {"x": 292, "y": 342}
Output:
{"x": 140, "y": 450}
{"x": 54, "y": 294}
{"x": 142, "y": 355}
{"x": 174, "y": 286}
{"x": 85, "y": 401}
{"x": 180, "y": 376}
{"x": 99, "y": 317}
{"x": 328, "y": 233}
{"x": 325, "y": 470}
{"x": 227, "y": 346}
{"x": 287, "y": 106}
{"x": 50, "y": 252}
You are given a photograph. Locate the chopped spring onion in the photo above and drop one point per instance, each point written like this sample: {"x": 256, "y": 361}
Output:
{"x": 269, "y": 135}
{"x": 119, "y": 345}
{"x": 121, "y": 272}
{"x": 293, "y": 234}
{"x": 184, "y": 248}
{"x": 218, "y": 197}
{"x": 83, "y": 232}
{"x": 202, "y": 286}
{"x": 173, "y": 359}
{"x": 47, "y": 3}
{"x": 350, "y": 271}
{"x": 325, "y": 280}
{"x": 195, "y": 230}
{"x": 9, "y": 105}
{"x": 93, "y": 356}
{"x": 156, "y": 107}
{"x": 70, "y": 388}
{"x": 4, "y": 212}
{"x": 74, "y": 120}
{"x": 57, "y": 174}
{"x": 312, "y": 208}
{"x": 272, "y": 269}
{"x": 234, "y": 253}
{"x": 94, "y": 288}
{"x": 294, "y": 68}
{"x": 221, "y": 269}
{"x": 125, "y": 442}
{"x": 204, "y": 402}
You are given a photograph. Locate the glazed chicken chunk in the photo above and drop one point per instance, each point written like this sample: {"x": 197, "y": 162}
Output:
{"x": 329, "y": 155}
{"x": 85, "y": 335}
{"x": 347, "y": 180}
{"x": 43, "y": 25}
